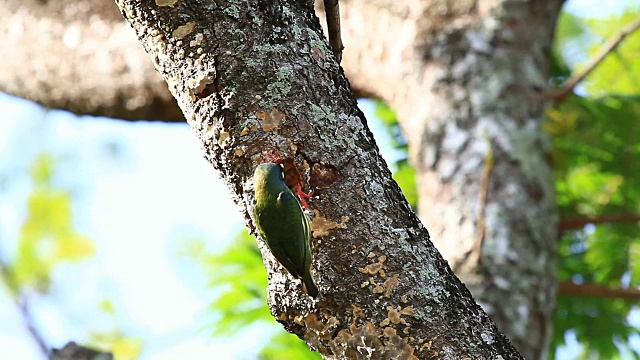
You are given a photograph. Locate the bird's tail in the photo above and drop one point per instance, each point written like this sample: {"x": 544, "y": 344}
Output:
{"x": 308, "y": 286}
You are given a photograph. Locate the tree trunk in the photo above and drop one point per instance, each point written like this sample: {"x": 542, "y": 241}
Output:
{"x": 466, "y": 79}
{"x": 257, "y": 81}
{"x": 468, "y": 83}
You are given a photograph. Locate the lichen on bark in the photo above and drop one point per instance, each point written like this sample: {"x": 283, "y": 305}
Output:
{"x": 245, "y": 52}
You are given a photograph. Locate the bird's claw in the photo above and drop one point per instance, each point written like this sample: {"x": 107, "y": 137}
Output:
{"x": 302, "y": 196}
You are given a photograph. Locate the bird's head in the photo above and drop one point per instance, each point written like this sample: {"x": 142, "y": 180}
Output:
{"x": 267, "y": 173}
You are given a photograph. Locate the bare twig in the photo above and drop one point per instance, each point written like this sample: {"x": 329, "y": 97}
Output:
{"x": 591, "y": 290}
{"x": 332, "y": 11}
{"x": 580, "y": 222}
{"x": 22, "y": 304}
{"x": 484, "y": 190}
{"x": 561, "y": 93}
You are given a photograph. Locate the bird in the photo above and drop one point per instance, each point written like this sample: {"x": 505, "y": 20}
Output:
{"x": 282, "y": 223}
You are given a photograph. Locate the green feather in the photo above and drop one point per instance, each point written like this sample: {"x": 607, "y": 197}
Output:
{"x": 282, "y": 224}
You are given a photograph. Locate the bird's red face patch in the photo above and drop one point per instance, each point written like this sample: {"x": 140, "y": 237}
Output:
{"x": 292, "y": 177}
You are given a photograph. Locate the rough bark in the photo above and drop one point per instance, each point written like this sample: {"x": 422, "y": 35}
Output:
{"x": 465, "y": 78}
{"x": 79, "y": 55}
{"x": 467, "y": 81}
{"x": 256, "y": 80}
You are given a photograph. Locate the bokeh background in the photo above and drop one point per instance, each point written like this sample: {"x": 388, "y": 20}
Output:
{"x": 120, "y": 236}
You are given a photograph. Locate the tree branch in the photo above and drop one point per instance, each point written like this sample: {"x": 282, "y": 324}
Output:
{"x": 484, "y": 191}
{"x": 591, "y": 290}
{"x": 426, "y": 63}
{"x": 73, "y": 351}
{"x": 80, "y": 56}
{"x": 22, "y": 304}
{"x": 332, "y": 12}
{"x": 560, "y": 94}
{"x": 255, "y": 83}
{"x": 576, "y": 223}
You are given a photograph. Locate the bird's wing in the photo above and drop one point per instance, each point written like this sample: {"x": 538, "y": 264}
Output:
{"x": 299, "y": 228}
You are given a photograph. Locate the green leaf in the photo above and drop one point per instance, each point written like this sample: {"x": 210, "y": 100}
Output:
{"x": 404, "y": 173}
{"x": 619, "y": 72}
{"x": 606, "y": 256}
{"x": 121, "y": 346}
{"x": 42, "y": 169}
{"x": 596, "y": 321}
{"x": 286, "y": 346}
{"x": 47, "y": 236}
{"x": 597, "y": 161}
{"x": 239, "y": 276}
{"x": 241, "y": 280}
{"x": 405, "y": 176}
{"x": 106, "y": 305}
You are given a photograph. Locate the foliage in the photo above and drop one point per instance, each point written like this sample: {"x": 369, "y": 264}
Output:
{"x": 595, "y": 145}
{"x": 241, "y": 278}
{"x": 619, "y": 73}
{"x": 239, "y": 275}
{"x": 597, "y": 161}
{"x": 47, "y": 237}
{"x": 122, "y": 347}
{"x": 404, "y": 173}
{"x": 286, "y": 346}
{"x": 47, "y": 240}
{"x": 596, "y": 155}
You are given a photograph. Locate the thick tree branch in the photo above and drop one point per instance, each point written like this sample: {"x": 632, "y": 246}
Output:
{"x": 255, "y": 83}
{"x": 560, "y": 94}
{"x": 453, "y": 72}
{"x": 80, "y": 56}
{"x": 576, "y": 223}
{"x": 591, "y": 290}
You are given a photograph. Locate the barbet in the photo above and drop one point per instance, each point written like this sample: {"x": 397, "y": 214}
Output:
{"x": 282, "y": 224}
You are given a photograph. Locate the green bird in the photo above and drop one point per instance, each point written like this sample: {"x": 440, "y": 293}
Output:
{"x": 282, "y": 224}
